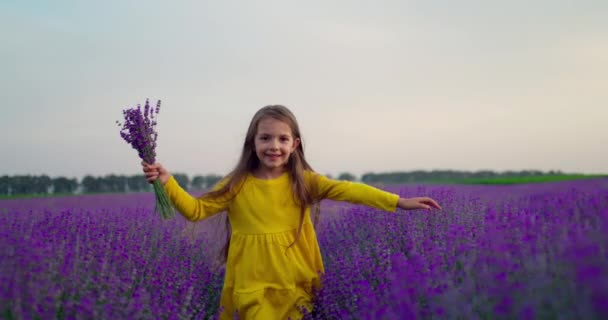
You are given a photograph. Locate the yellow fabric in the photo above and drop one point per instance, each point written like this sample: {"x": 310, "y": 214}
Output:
{"x": 264, "y": 279}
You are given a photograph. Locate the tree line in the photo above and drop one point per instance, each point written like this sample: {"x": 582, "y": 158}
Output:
{"x": 43, "y": 184}
{"x": 448, "y": 175}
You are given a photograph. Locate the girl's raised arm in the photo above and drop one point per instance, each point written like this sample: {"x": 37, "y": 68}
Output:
{"x": 191, "y": 208}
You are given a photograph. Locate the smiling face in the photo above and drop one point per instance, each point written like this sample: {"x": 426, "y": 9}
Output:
{"x": 274, "y": 143}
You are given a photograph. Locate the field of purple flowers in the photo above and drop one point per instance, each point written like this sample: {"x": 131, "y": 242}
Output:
{"x": 524, "y": 251}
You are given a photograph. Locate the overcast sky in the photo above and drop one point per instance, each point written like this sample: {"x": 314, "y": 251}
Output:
{"x": 376, "y": 85}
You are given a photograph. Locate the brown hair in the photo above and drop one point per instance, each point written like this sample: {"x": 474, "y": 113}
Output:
{"x": 296, "y": 165}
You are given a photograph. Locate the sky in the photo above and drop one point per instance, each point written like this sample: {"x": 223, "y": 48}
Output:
{"x": 376, "y": 86}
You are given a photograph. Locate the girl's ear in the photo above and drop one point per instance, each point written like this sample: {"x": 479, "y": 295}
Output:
{"x": 296, "y": 144}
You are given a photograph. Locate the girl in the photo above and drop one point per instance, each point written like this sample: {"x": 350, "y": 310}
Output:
{"x": 272, "y": 256}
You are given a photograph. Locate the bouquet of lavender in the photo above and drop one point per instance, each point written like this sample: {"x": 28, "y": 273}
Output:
{"x": 139, "y": 130}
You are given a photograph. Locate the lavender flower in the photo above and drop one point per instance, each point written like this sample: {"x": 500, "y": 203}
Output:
{"x": 139, "y": 130}
{"x": 476, "y": 259}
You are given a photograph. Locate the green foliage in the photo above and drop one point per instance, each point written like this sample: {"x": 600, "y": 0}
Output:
{"x": 198, "y": 182}
{"x": 138, "y": 183}
{"x": 204, "y": 182}
{"x": 211, "y": 180}
{"x": 63, "y": 185}
{"x": 347, "y": 176}
{"x": 183, "y": 180}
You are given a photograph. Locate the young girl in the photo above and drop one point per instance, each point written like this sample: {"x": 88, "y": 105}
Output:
{"x": 272, "y": 257}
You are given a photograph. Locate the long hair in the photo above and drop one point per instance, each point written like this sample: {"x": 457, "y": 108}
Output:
{"x": 248, "y": 162}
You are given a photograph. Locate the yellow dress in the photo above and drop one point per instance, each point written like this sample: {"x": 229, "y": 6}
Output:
{"x": 265, "y": 280}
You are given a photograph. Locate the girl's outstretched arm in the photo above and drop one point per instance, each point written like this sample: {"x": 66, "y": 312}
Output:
{"x": 191, "y": 208}
{"x": 417, "y": 203}
{"x": 361, "y": 193}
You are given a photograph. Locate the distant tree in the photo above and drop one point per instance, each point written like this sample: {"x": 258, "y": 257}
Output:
{"x": 91, "y": 184}
{"x": 39, "y": 184}
{"x": 138, "y": 183}
{"x": 183, "y": 180}
{"x": 64, "y": 185}
{"x": 22, "y": 184}
{"x": 198, "y": 182}
{"x": 347, "y": 176}
{"x": 211, "y": 180}
{"x": 114, "y": 183}
{"x": 5, "y": 185}
{"x": 134, "y": 183}
{"x": 368, "y": 177}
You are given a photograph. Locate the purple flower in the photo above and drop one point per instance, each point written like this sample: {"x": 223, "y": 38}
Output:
{"x": 139, "y": 130}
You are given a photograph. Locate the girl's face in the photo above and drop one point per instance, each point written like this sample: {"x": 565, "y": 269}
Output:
{"x": 274, "y": 144}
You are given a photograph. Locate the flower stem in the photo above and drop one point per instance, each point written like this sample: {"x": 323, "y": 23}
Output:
{"x": 163, "y": 203}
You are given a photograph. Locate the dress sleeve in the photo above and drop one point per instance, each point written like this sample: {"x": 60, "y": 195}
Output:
{"x": 353, "y": 192}
{"x": 192, "y": 208}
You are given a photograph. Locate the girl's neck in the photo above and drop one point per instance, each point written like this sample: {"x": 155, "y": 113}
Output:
{"x": 267, "y": 174}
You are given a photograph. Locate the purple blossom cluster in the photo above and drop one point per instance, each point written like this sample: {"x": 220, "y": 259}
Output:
{"x": 81, "y": 258}
{"x": 493, "y": 252}
{"x": 139, "y": 130}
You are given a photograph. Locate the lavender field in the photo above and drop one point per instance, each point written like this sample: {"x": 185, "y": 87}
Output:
{"x": 537, "y": 251}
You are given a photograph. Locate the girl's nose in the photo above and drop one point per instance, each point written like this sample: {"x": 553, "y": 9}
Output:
{"x": 274, "y": 145}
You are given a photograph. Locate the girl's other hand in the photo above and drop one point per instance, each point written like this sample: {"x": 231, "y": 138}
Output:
{"x": 417, "y": 203}
{"x": 155, "y": 171}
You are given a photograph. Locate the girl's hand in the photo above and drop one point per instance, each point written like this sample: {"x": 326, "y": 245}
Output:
{"x": 417, "y": 203}
{"x": 155, "y": 171}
